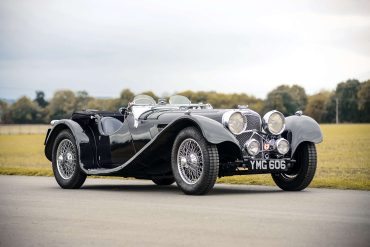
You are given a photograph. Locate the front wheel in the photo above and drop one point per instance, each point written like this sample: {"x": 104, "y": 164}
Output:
{"x": 194, "y": 161}
{"x": 303, "y": 171}
{"x": 67, "y": 171}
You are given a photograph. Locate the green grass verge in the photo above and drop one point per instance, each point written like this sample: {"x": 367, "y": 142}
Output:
{"x": 343, "y": 158}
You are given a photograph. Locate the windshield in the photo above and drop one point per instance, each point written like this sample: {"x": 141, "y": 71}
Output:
{"x": 143, "y": 100}
{"x": 144, "y": 103}
{"x": 179, "y": 100}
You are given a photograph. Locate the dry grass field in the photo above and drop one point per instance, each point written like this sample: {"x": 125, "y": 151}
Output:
{"x": 13, "y": 129}
{"x": 343, "y": 158}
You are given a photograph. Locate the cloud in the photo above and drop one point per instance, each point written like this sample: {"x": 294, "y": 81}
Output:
{"x": 167, "y": 46}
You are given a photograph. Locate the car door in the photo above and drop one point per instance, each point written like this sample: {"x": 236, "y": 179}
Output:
{"x": 117, "y": 148}
{"x": 140, "y": 131}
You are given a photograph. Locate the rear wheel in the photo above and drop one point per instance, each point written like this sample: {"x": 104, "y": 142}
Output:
{"x": 303, "y": 171}
{"x": 67, "y": 171}
{"x": 163, "y": 181}
{"x": 194, "y": 161}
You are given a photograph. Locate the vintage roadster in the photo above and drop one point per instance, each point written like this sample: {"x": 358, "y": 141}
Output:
{"x": 190, "y": 144}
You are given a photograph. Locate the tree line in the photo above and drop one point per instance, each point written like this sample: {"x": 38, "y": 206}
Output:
{"x": 349, "y": 102}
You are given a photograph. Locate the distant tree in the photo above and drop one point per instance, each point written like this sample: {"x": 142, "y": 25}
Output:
{"x": 223, "y": 100}
{"x": 353, "y": 98}
{"x": 62, "y": 104}
{"x": 317, "y": 106}
{"x": 82, "y": 100}
{"x": 102, "y": 104}
{"x": 286, "y": 99}
{"x": 330, "y": 110}
{"x": 363, "y": 103}
{"x": 126, "y": 96}
{"x": 299, "y": 96}
{"x": 217, "y": 100}
{"x": 346, "y": 92}
{"x": 197, "y": 97}
{"x": 25, "y": 110}
{"x": 3, "y": 109}
{"x": 40, "y": 99}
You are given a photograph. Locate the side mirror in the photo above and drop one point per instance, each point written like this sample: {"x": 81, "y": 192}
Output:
{"x": 123, "y": 110}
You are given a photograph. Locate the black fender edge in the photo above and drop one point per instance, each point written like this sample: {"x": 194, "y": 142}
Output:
{"x": 301, "y": 129}
{"x": 82, "y": 140}
{"x": 213, "y": 131}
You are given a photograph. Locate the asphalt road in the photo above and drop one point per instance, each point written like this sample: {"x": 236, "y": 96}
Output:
{"x": 34, "y": 211}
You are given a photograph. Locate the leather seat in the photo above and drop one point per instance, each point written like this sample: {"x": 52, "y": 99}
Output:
{"x": 110, "y": 125}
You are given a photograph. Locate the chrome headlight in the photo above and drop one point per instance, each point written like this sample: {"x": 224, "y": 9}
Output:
{"x": 282, "y": 146}
{"x": 274, "y": 122}
{"x": 235, "y": 121}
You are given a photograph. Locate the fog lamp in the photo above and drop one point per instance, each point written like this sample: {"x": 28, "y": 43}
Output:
{"x": 282, "y": 146}
{"x": 252, "y": 146}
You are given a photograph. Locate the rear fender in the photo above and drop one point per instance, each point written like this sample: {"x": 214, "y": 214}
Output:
{"x": 82, "y": 140}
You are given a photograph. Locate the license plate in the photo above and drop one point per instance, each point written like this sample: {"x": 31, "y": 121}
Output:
{"x": 267, "y": 165}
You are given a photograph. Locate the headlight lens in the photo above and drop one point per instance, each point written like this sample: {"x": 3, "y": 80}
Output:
{"x": 236, "y": 122}
{"x": 282, "y": 146}
{"x": 274, "y": 122}
{"x": 252, "y": 146}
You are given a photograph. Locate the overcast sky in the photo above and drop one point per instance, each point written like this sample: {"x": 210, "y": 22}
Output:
{"x": 167, "y": 46}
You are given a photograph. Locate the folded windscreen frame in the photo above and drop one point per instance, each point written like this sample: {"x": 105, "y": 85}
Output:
{"x": 179, "y": 100}
{"x": 143, "y": 99}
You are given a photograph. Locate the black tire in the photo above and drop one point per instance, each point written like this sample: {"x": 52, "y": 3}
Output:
{"x": 303, "y": 171}
{"x": 163, "y": 181}
{"x": 77, "y": 177}
{"x": 209, "y": 171}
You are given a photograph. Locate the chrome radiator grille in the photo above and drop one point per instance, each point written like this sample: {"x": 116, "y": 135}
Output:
{"x": 253, "y": 123}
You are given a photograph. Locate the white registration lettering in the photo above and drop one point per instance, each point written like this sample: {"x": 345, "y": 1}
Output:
{"x": 271, "y": 164}
{"x": 258, "y": 164}
{"x": 283, "y": 165}
{"x": 268, "y": 164}
{"x": 264, "y": 165}
{"x": 277, "y": 164}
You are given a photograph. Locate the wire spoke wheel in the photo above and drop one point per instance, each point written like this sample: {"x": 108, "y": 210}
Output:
{"x": 194, "y": 162}
{"x": 66, "y": 159}
{"x": 190, "y": 161}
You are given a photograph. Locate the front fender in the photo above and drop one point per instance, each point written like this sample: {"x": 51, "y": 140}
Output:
{"x": 301, "y": 129}
{"x": 213, "y": 131}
